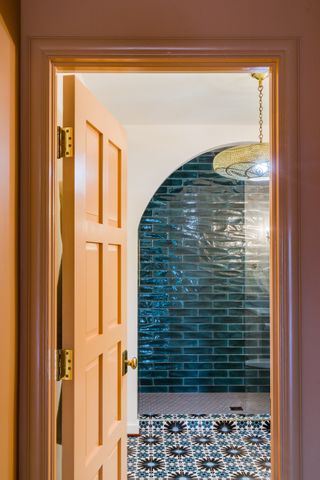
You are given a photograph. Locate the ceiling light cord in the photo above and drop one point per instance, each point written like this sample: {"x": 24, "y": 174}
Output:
{"x": 260, "y": 90}
{"x": 260, "y": 77}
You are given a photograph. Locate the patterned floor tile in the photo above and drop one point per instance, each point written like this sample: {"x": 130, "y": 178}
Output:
{"x": 200, "y": 447}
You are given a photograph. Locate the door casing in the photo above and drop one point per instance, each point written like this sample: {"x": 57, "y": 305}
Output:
{"x": 37, "y": 326}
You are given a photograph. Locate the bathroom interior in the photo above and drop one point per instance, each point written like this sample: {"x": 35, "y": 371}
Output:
{"x": 204, "y": 318}
{"x": 198, "y": 264}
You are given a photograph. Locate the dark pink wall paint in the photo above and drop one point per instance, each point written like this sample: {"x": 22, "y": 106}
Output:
{"x": 232, "y": 18}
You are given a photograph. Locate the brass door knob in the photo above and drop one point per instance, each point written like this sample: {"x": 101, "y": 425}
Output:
{"x": 133, "y": 363}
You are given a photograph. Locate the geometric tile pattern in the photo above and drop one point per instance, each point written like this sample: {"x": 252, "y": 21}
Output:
{"x": 177, "y": 447}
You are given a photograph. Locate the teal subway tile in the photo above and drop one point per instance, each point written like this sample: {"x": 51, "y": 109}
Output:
{"x": 213, "y": 358}
{"x": 229, "y": 381}
{"x": 168, "y": 381}
{"x": 182, "y": 358}
{"x": 213, "y": 343}
{"x": 195, "y": 350}
{"x": 213, "y": 373}
{"x": 182, "y": 389}
{"x": 199, "y": 336}
{"x": 183, "y": 374}
{"x": 198, "y": 366}
{"x": 229, "y": 365}
{"x": 212, "y": 389}
{"x": 198, "y": 381}
{"x": 192, "y": 252}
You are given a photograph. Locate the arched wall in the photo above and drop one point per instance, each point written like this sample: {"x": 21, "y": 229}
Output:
{"x": 155, "y": 151}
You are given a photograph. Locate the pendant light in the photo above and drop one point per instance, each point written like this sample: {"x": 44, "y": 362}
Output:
{"x": 250, "y": 161}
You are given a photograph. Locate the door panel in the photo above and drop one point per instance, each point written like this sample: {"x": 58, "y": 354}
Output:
{"x": 113, "y": 287}
{"x": 94, "y": 173}
{"x": 93, "y": 289}
{"x": 114, "y": 185}
{"x": 94, "y": 282}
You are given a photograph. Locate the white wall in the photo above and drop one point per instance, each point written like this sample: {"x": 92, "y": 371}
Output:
{"x": 155, "y": 151}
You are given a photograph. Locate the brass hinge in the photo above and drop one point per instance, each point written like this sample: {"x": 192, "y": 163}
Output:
{"x": 64, "y": 366}
{"x": 64, "y": 142}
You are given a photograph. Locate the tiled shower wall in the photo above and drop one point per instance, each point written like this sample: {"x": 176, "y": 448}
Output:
{"x": 203, "y": 284}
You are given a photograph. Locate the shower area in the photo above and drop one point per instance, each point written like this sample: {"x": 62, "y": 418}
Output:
{"x": 203, "y": 295}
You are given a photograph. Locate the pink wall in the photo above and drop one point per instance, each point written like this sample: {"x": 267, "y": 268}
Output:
{"x": 201, "y": 18}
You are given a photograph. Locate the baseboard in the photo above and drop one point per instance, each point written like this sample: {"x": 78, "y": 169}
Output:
{"x": 133, "y": 428}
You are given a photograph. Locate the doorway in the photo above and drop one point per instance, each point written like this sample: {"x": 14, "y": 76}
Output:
{"x": 201, "y": 276}
{"x": 279, "y": 433}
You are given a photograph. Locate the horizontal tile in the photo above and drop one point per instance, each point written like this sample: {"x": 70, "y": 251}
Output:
{"x": 168, "y": 381}
{"x": 183, "y": 374}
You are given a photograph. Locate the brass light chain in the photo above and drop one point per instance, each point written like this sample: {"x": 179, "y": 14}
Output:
{"x": 260, "y": 77}
{"x": 260, "y": 90}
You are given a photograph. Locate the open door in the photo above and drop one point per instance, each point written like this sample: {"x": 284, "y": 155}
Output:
{"x": 94, "y": 290}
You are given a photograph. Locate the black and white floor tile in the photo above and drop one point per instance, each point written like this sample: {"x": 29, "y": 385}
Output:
{"x": 200, "y": 447}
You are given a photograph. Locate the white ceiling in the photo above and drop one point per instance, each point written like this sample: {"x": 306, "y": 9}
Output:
{"x": 179, "y": 98}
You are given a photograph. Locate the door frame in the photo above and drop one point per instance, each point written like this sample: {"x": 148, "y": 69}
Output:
{"x": 46, "y": 56}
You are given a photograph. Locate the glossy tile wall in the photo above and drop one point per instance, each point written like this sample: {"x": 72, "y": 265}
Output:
{"x": 203, "y": 284}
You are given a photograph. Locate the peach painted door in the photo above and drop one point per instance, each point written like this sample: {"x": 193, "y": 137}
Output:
{"x": 94, "y": 290}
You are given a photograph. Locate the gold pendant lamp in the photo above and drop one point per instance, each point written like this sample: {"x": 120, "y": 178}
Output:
{"x": 250, "y": 161}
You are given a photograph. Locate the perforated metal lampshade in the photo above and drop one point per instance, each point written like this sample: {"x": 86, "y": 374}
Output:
{"x": 244, "y": 162}
{"x": 251, "y": 161}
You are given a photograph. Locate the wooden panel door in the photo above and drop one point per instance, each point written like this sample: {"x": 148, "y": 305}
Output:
{"x": 94, "y": 289}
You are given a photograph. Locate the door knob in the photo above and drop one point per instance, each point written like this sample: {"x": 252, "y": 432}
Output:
{"x": 132, "y": 363}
